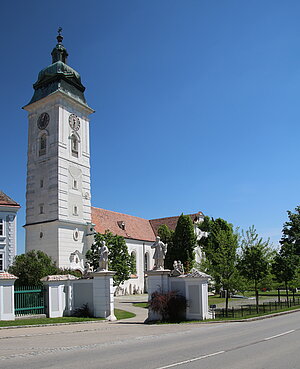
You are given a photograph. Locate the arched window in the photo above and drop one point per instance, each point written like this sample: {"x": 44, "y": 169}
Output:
{"x": 133, "y": 262}
{"x": 146, "y": 261}
{"x": 74, "y": 146}
{"x": 43, "y": 144}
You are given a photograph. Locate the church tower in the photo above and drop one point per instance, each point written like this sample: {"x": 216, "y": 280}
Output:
{"x": 58, "y": 194}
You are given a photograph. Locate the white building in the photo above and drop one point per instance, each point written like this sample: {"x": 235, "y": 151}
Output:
{"x": 59, "y": 216}
{"x": 8, "y": 230}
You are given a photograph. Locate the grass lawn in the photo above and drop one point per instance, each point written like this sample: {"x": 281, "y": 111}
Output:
{"x": 141, "y": 304}
{"x": 120, "y": 314}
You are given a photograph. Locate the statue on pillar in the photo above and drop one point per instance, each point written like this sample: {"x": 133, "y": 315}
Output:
{"x": 103, "y": 257}
{"x": 159, "y": 254}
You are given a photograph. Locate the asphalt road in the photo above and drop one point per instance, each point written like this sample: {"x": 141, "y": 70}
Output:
{"x": 270, "y": 343}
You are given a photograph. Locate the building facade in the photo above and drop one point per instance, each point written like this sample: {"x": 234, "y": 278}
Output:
{"x": 8, "y": 230}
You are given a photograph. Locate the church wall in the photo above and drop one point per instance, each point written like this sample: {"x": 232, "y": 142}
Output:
{"x": 43, "y": 237}
{"x": 72, "y": 238}
{"x": 140, "y": 248}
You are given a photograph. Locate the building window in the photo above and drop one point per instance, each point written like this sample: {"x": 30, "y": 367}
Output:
{"x": 75, "y": 184}
{"x": 1, "y": 227}
{"x": 41, "y": 208}
{"x": 1, "y": 263}
{"x": 75, "y": 210}
{"x": 133, "y": 262}
{"x": 41, "y": 183}
{"x": 146, "y": 261}
{"x": 74, "y": 146}
{"x": 43, "y": 144}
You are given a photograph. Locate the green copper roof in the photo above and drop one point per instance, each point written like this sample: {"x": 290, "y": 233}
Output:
{"x": 59, "y": 76}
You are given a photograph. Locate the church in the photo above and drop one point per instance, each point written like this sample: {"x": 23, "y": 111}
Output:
{"x": 59, "y": 217}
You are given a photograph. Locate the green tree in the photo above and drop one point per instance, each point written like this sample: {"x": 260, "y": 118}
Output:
{"x": 119, "y": 259}
{"x": 285, "y": 267}
{"x": 184, "y": 242}
{"x": 166, "y": 235}
{"x": 255, "y": 259}
{"x": 31, "y": 267}
{"x": 220, "y": 247}
{"x": 291, "y": 232}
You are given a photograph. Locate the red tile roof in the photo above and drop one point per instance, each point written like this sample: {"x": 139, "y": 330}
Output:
{"x": 7, "y": 201}
{"x": 171, "y": 222}
{"x": 124, "y": 225}
{"x": 132, "y": 227}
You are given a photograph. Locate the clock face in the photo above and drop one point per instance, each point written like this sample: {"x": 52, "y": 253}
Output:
{"x": 43, "y": 120}
{"x": 74, "y": 122}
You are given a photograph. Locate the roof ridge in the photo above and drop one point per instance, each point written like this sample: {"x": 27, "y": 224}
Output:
{"x": 117, "y": 212}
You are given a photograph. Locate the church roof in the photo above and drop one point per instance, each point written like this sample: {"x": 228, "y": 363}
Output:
{"x": 7, "y": 201}
{"x": 171, "y": 222}
{"x": 124, "y": 225}
{"x": 133, "y": 227}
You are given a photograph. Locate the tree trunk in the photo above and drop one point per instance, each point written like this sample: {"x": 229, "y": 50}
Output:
{"x": 227, "y": 296}
{"x": 256, "y": 296}
{"x": 287, "y": 294}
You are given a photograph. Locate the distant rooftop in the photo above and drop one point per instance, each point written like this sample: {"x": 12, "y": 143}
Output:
{"x": 7, "y": 201}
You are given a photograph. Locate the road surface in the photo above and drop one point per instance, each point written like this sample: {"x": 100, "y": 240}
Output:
{"x": 263, "y": 344}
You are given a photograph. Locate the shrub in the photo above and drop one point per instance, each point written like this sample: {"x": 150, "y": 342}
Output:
{"x": 170, "y": 305}
{"x": 82, "y": 312}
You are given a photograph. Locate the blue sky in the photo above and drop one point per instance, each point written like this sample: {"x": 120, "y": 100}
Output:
{"x": 197, "y": 103}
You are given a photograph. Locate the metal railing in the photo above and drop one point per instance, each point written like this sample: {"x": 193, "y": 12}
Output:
{"x": 29, "y": 300}
{"x": 248, "y": 310}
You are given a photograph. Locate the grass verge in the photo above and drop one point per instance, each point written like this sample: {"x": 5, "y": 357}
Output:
{"x": 120, "y": 314}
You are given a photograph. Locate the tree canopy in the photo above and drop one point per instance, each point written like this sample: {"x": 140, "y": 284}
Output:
{"x": 220, "y": 249}
{"x": 166, "y": 235}
{"x": 119, "y": 259}
{"x": 255, "y": 259}
{"x": 31, "y": 267}
{"x": 184, "y": 242}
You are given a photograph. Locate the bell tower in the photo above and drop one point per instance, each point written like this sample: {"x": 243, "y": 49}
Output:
{"x": 58, "y": 194}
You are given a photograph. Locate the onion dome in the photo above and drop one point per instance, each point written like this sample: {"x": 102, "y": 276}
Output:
{"x": 59, "y": 76}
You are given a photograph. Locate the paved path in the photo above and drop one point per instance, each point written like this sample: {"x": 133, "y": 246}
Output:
{"x": 125, "y": 303}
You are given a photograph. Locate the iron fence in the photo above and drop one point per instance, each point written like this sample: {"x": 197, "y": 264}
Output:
{"x": 248, "y": 310}
{"x": 29, "y": 300}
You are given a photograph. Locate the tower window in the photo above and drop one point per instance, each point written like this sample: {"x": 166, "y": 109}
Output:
{"x": 75, "y": 210}
{"x": 74, "y": 146}
{"x": 1, "y": 227}
{"x": 41, "y": 183}
{"x": 41, "y": 208}
{"x": 75, "y": 184}
{"x": 43, "y": 144}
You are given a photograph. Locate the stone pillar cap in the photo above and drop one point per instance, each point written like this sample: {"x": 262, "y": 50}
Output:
{"x": 58, "y": 277}
{"x": 5, "y": 275}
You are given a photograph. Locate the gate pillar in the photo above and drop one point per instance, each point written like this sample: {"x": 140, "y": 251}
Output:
{"x": 7, "y": 304}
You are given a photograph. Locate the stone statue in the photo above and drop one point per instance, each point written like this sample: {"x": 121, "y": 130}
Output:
{"x": 159, "y": 254}
{"x": 88, "y": 269}
{"x": 177, "y": 268}
{"x": 103, "y": 257}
